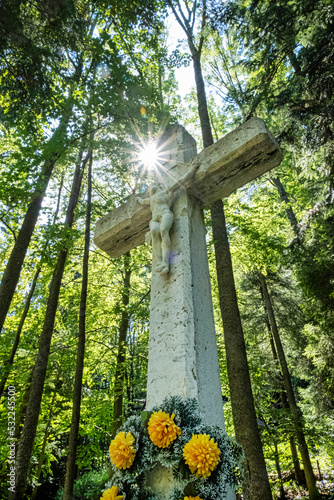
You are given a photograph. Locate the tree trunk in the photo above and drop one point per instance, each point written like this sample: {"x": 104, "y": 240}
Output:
{"x": 13, "y": 269}
{"x": 276, "y": 458}
{"x": 73, "y": 439}
{"x": 256, "y": 484}
{"x": 9, "y": 362}
{"x": 30, "y": 425}
{"x": 295, "y": 411}
{"x": 20, "y": 417}
{"x": 298, "y": 472}
{"x": 120, "y": 362}
{"x": 45, "y": 440}
{"x": 202, "y": 102}
{"x": 279, "y": 473}
{"x": 270, "y": 335}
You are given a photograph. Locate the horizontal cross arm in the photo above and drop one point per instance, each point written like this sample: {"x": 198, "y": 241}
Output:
{"x": 238, "y": 158}
{"x": 124, "y": 228}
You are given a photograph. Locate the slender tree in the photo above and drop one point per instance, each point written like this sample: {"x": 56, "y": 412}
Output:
{"x": 121, "y": 352}
{"x": 289, "y": 210}
{"x": 294, "y": 453}
{"x": 277, "y": 462}
{"x": 44, "y": 443}
{"x": 74, "y": 432}
{"x": 21, "y": 415}
{"x": 279, "y": 472}
{"x": 12, "y": 272}
{"x": 9, "y": 362}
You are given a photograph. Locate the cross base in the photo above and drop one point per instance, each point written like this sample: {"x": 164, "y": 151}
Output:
{"x": 160, "y": 480}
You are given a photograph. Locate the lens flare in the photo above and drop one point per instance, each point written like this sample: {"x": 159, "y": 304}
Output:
{"x": 102, "y": 71}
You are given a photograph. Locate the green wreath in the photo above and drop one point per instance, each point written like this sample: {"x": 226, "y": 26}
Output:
{"x": 203, "y": 459}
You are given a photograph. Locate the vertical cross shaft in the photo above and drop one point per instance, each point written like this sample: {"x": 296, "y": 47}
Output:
{"x": 183, "y": 356}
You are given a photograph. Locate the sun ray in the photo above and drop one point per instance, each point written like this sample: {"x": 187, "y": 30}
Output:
{"x": 152, "y": 157}
{"x": 148, "y": 155}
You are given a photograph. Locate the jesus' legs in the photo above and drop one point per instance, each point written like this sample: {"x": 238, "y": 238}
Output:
{"x": 156, "y": 241}
{"x": 165, "y": 226}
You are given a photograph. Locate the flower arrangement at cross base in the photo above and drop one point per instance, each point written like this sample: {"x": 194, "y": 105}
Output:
{"x": 204, "y": 460}
{"x": 111, "y": 494}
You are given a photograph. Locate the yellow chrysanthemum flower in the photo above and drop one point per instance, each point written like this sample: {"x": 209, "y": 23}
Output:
{"x": 201, "y": 454}
{"x": 192, "y": 498}
{"x": 162, "y": 429}
{"x": 121, "y": 452}
{"x": 112, "y": 494}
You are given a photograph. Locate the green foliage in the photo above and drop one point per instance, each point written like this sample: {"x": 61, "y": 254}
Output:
{"x": 315, "y": 271}
{"x": 62, "y": 62}
{"x": 88, "y": 486}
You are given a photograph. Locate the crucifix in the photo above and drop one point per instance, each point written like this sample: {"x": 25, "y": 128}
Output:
{"x": 183, "y": 357}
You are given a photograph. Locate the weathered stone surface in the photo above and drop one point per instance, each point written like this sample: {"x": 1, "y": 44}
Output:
{"x": 233, "y": 161}
{"x": 182, "y": 347}
{"x": 122, "y": 229}
{"x": 161, "y": 480}
{"x": 239, "y": 157}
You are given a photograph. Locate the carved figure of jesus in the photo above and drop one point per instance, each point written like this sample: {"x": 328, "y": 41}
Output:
{"x": 160, "y": 201}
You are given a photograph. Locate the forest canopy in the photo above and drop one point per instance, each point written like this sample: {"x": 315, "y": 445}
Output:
{"x": 85, "y": 85}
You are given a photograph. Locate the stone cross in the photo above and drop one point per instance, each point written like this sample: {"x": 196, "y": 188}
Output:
{"x": 183, "y": 357}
